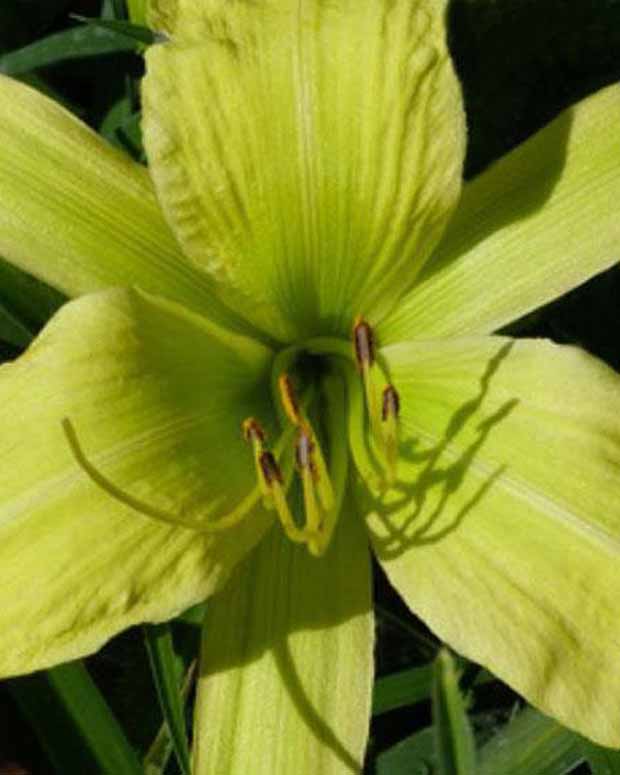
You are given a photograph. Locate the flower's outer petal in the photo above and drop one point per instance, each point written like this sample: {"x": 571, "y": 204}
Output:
{"x": 307, "y": 153}
{"x": 286, "y": 674}
{"x": 539, "y": 222}
{"x": 79, "y": 214}
{"x": 156, "y": 396}
{"x": 505, "y": 532}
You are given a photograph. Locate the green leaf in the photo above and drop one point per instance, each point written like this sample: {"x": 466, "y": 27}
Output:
{"x": 75, "y": 43}
{"x": 73, "y": 722}
{"x": 12, "y": 330}
{"x": 415, "y": 755}
{"x": 134, "y": 32}
{"x": 531, "y": 743}
{"x": 404, "y": 688}
{"x": 503, "y": 533}
{"x": 166, "y": 674}
{"x": 602, "y": 761}
{"x": 27, "y": 301}
{"x": 330, "y": 179}
{"x": 536, "y": 224}
{"x": 456, "y": 754}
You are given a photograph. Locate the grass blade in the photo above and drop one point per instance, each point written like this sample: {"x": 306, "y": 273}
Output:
{"x": 531, "y": 742}
{"x": 454, "y": 739}
{"x": 135, "y": 32}
{"x": 73, "y": 722}
{"x": 75, "y": 43}
{"x": 164, "y": 664}
{"x": 414, "y": 755}
{"x": 403, "y": 688}
{"x": 602, "y": 761}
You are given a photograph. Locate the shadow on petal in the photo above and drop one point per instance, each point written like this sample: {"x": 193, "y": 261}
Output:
{"x": 413, "y": 512}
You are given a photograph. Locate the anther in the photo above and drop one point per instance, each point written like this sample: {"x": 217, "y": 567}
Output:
{"x": 253, "y": 431}
{"x": 364, "y": 345}
{"x": 390, "y": 409}
{"x": 270, "y": 470}
{"x": 391, "y": 403}
{"x": 255, "y": 435}
{"x": 271, "y": 476}
{"x": 364, "y": 341}
{"x": 288, "y": 398}
{"x": 304, "y": 451}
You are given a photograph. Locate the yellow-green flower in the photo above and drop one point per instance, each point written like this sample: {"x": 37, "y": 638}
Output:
{"x": 304, "y": 161}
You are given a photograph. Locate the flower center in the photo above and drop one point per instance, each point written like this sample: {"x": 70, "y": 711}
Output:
{"x": 321, "y": 491}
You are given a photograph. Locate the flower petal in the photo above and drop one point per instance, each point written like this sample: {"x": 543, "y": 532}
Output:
{"x": 539, "y": 222}
{"x": 286, "y": 674}
{"x": 80, "y": 215}
{"x": 307, "y": 153}
{"x": 156, "y": 396}
{"x": 504, "y": 535}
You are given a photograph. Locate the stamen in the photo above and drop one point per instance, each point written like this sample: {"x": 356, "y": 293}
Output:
{"x": 273, "y": 480}
{"x": 364, "y": 342}
{"x": 288, "y": 398}
{"x": 255, "y": 435}
{"x": 307, "y": 470}
{"x": 390, "y": 411}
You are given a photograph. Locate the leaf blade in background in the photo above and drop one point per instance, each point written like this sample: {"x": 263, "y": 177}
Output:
{"x": 405, "y": 687}
{"x": 164, "y": 667}
{"x": 415, "y": 755}
{"x": 26, "y": 304}
{"x": 602, "y": 761}
{"x": 531, "y": 742}
{"x": 135, "y": 32}
{"x": 454, "y": 739}
{"x": 74, "y": 722}
{"x": 75, "y": 43}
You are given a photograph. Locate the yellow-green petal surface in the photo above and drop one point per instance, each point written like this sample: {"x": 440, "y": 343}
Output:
{"x": 286, "y": 675}
{"x": 156, "y": 396}
{"x": 81, "y": 215}
{"x": 539, "y": 222}
{"x": 307, "y": 154}
{"x": 504, "y": 531}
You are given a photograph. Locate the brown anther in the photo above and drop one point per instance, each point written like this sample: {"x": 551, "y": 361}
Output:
{"x": 304, "y": 452}
{"x": 270, "y": 469}
{"x": 364, "y": 341}
{"x": 391, "y": 403}
{"x": 253, "y": 430}
{"x": 289, "y": 398}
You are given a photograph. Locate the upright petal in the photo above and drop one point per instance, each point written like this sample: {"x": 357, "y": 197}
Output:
{"x": 504, "y": 535}
{"x": 79, "y": 214}
{"x": 156, "y": 396}
{"x": 286, "y": 675}
{"x": 307, "y": 153}
{"x": 539, "y": 222}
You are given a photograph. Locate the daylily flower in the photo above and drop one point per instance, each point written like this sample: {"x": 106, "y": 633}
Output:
{"x": 281, "y": 265}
